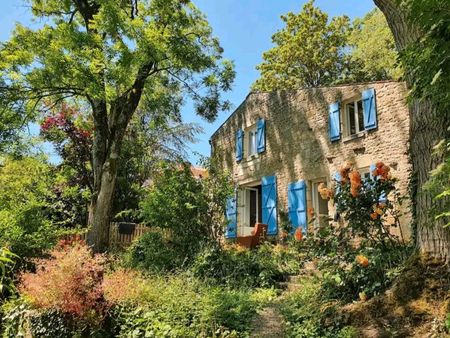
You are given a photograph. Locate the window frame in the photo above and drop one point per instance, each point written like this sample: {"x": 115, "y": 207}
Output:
{"x": 346, "y": 118}
{"x": 315, "y": 198}
{"x": 251, "y": 139}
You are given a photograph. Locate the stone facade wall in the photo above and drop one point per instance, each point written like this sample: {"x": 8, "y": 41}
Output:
{"x": 297, "y": 141}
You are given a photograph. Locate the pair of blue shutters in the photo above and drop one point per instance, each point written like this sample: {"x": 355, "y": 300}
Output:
{"x": 260, "y": 140}
{"x": 269, "y": 208}
{"x": 297, "y": 205}
{"x": 369, "y": 111}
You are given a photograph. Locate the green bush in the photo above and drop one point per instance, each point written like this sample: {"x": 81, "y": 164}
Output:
{"x": 153, "y": 253}
{"x": 24, "y": 209}
{"x": 191, "y": 209}
{"x": 237, "y": 267}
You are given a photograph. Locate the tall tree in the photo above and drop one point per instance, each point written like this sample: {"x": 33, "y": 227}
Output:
{"x": 373, "y": 55}
{"x": 309, "y": 51}
{"x": 422, "y": 26}
{"x": 109, "y": 54}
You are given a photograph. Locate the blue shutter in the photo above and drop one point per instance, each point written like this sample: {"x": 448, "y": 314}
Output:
{"x": 297, "y": 205}
{"x": 383, "y": 195}
{"x": 231, "y": 215}
{"x": 369, "y": 109}
{"x": 261, "y": 135}
{"x": 269, "y": 204}
{"x": 239, "y": 145}
{"x": 334, "y": 122}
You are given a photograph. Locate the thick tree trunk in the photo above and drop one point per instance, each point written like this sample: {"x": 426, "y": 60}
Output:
{"x": 100, "y": 208}
{"x": 427, "y": 128}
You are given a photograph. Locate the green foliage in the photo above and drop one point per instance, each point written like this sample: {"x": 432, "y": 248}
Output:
{"x": 181, "y": 307}
{"x": 234, "y": 266}
{"x": 439, "y": 184}
{"x": 426, "y": 59}
{"x": 7, "y": 262}
{"x": 312, "y": 51}
{"x": 171, "y": 306}
{"x": 104, "y": 49}
{"x": 152, "y": 252}
{"x": 24, "y": 208}
{"x": 362, "y": 254}
{"x": 305, "y": 312}
{"x": 189, "y": 209}
{"x": 346, "y": 277}
{"x": 308, "y": 52}
{"x": 373, "y": 54}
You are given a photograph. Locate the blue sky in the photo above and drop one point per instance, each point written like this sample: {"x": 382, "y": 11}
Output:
{"x": 244, "y": 28}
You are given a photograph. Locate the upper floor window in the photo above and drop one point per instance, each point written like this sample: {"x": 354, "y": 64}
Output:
{"x": 252, "y": 141}
{"x": 354, "y": 117}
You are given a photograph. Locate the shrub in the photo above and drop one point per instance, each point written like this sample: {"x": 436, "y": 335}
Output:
{"x": 235, "y": 266}
{"x": 24, "y": 210}
{"x": 152, "y": 252}
{"x": 190, "y": 208}
{"x": 360, "y": 257}
{"x": 69, "y": 282}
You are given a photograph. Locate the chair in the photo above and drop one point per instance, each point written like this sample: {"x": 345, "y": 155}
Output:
{"x": 252, "y": 241}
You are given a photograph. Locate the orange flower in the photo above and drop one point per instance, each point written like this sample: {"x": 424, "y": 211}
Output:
{"x": 362, "y": 260}
{"x": 311, "y": 212}
{"x": 298, "y": 234}
{"x": 374, "y": 215}
{"x": 344, "y": 171}
{"x": 355, "y": 182}
{"x": 324, "y": 192}
{"x": 381, "y": 170}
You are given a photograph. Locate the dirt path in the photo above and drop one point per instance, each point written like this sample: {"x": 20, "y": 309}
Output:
{"x": 269, "y": 323}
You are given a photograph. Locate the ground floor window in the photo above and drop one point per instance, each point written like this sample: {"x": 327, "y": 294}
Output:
{"x": 319, "y": 205}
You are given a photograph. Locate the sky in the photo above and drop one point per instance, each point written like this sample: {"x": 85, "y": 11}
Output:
{"x": 244, "y": 28}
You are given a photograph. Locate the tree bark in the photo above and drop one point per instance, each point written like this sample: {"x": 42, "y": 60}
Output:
{"x": 427, "y": 127}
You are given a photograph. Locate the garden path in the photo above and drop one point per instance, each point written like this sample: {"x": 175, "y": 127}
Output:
{"x": 269, "y": 323}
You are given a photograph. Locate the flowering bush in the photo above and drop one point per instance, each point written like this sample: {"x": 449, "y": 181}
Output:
{"x": 369, "y": 206}
{"x": 69, "y": 282}
{"x": 360, "y": 254}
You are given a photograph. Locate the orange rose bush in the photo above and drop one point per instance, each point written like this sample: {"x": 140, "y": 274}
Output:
{"x": 359, "y": 251}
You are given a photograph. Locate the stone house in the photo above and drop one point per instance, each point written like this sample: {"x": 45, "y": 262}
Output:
{"x": 279, "y": 146}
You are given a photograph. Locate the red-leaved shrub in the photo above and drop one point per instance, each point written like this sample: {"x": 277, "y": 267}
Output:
{"x": 70, "y": 282}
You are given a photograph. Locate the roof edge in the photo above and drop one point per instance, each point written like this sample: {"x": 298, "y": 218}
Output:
{"x": 294, "y": 91}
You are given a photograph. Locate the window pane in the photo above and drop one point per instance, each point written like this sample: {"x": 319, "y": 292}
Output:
{"x": 323, "y": 206}
{"x": 360, "y": 116}
{"x": 351, "y": 119}
{"x": 250, "y": 143}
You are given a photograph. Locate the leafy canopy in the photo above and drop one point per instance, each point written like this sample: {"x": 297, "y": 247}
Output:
{"x": 309, "y": 51}
{"x": 103, "y": 50}
{"x": 373, "y": 52}
{"x": 312, "y": 50}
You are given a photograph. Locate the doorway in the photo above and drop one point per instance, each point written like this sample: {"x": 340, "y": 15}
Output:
{"x": 249, "y": 208}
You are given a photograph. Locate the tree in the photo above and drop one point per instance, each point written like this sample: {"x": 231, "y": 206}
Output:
{"x": 373, "y": 52}
{"x": 422, "y": 27}
{"x": 108, "y": 55}
{"x": 309, "y": 51}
